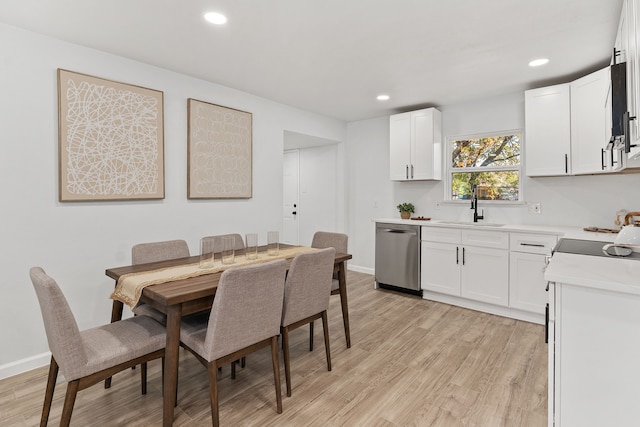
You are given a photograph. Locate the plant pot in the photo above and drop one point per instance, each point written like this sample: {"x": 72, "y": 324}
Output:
{"x": 405, "y": 215}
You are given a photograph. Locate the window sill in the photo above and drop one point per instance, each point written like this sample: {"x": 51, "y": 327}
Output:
{"x": 501, "y": 203}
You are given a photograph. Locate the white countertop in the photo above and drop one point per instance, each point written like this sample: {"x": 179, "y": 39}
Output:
{"x": 562, "y": 231}
{"x": 610, "y": 274}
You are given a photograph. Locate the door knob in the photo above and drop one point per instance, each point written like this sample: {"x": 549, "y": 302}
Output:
{"x": 294, "y": 212}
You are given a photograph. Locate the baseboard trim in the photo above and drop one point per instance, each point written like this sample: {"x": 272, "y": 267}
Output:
{"x": 359, "y": 269}
{"x": 24, "y": 365}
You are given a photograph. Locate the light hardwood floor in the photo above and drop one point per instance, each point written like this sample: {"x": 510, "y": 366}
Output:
{"x": 412, "y": 363}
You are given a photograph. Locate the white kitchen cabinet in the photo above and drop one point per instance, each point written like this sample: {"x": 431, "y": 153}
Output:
{"x": 628, "y": 47}
{"x": 567, "y": 126}
{"x": 590, "y": 126}
{"x": 472, "y": 264}
{"x": 527, "y": 261}
{"x": 594, "y": 348}
{"x": 548, "y": 130}
{"x": 415, "y": 145}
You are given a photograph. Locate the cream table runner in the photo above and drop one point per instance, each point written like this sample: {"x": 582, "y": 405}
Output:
{"x": 129, "y": 287}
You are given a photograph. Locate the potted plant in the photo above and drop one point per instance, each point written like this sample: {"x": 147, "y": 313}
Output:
{"x": 406, "y": 209}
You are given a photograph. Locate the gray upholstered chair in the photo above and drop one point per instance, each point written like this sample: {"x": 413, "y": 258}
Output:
{"x": 217, "y": 241}
{"x": 245, "y": 317}
{"x": 90, "y": 356}
{"x": 306, "y": 298}
{"x": 144, "y": 253}
{"x": 339, "y": 241}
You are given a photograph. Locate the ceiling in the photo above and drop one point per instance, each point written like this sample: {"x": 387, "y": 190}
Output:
{"x": 334, "y": 56}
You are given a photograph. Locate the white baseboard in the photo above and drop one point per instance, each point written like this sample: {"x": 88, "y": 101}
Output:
{"x": 359, "y": 269}
{"x": 24, "y": 365}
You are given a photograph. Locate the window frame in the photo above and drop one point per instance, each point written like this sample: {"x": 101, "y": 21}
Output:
{"x": 449, "y": 169}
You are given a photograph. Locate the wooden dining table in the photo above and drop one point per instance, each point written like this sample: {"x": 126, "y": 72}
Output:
{"x": 182, "y": 297}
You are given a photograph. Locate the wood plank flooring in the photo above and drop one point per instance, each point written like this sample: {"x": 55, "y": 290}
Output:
{"x": 413, "y": 362}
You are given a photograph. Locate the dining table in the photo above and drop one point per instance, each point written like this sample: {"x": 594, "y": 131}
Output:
{"x": 184, "y": 296}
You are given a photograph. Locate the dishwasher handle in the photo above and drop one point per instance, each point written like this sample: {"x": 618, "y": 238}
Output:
{"x": 392, "y": 230}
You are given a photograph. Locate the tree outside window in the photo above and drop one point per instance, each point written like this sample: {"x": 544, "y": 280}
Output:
{"x": 490, "y": 162}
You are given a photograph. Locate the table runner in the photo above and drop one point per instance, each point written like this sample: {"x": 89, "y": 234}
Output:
{"x": 129, "y": 287}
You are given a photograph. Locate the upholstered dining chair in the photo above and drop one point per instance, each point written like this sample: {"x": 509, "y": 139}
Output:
{"x": 245, "y": 317}
{"x": 144, "y": 253}
{"x": 306, "y": 298}
{"x": 90, "y": 356}
{"x": 217, "y": 241}
{"x": 339, "y": 241}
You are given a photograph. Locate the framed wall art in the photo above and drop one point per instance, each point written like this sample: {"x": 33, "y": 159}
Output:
{"x": 219, "y": 160}
{"x": 111, "y": 140}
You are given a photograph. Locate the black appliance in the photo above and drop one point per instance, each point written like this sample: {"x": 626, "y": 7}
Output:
{"x": 588, "y": 247}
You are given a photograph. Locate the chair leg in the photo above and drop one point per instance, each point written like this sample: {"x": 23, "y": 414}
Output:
{"x": 287, "y": 359}
{"x": 212, "y": 369}
{"x": 69, "y": 401}
{"x": 233, "y": 370}
{"x": 48, "y": 394}
{"x": 143, "y": 377}
{"x": 243, "y": 362}
{"x": 311, "y": 335}
{"x": 276, "y": 372}
{"x": 325, "y": 327}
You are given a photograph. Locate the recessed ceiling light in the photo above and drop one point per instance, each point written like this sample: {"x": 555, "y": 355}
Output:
{"x": 382, "y": 97}
{"x": 538, "y": 62}
{"x": 215, "y": 18}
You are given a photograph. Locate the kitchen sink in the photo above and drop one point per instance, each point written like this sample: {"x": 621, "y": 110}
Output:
{"x": 471, "y": 223}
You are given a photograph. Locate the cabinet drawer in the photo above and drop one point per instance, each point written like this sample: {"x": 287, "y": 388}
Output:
{"x": 486, "y": 239}
{"x": 533, "y": 243}
{"x": 441, "y": 235}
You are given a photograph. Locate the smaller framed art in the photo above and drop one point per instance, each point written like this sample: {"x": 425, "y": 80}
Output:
{"x": 219, "y": 160}
{"x": 110, "y": 140}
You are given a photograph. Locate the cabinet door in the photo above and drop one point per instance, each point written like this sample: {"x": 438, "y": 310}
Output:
{"x": 426, "y": 158}
{"x": 440, "y": 271}
{"x": 527, "y": 287}
{"x": 485, "y": 275}
{"x": 548, "y": 130}
{"x": 633, "y": 71}
{"x": 589, "y": 133}
{"x": 399, "y": 146}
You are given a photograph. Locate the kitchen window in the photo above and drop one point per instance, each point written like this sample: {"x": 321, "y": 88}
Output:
{"x": 490, "y": 161}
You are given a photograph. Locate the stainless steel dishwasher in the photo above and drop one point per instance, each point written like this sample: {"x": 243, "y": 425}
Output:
{"x": 398, "y": 257}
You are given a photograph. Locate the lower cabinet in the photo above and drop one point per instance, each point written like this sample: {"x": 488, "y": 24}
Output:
{"x": 460, "y": 269}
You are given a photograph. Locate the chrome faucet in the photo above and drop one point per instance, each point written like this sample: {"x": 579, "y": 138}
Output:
{"x": 474, "y": 204}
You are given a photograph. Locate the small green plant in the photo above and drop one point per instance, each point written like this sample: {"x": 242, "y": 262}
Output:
{"x": 406, "y": 207}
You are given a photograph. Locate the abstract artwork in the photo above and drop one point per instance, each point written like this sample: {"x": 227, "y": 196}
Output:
{"x": 110, "y": 140}
{"x": 220, "y": 152}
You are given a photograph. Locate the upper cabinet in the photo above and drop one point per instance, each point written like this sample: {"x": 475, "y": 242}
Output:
{"x": 628, "y": 50}
{"x": 415, "y": 149}
{"x": 567, "y": 127}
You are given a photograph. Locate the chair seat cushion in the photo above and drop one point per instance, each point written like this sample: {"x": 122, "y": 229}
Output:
{"x": 115, "y": 343}
{"x": 193, "y": 331}
{"x": 147, "y": 310}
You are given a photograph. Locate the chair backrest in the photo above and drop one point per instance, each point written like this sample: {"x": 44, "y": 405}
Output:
{"x": 246, "y": 309}
{"x": 62, "y": 330}
{"x": 144, "y": 253}
{"x": 217, "y": 241}
{"x": 324, "y": 239}
{"x": 308, "y": 285}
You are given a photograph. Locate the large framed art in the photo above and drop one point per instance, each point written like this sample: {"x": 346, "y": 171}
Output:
{"x": 111, "y": 140}
{"x": 219, "y": 160}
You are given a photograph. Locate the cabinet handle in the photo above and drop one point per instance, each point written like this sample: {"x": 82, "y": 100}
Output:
{"x": 537, "y": 245}
{"x": 462, "y": 256}
{"x": 457, "y": 257}
{"x": 566, "y": 163}
{"x": 411, "y": 171}
{"x": 602, "y": 158}
{"x": 407, "y": 171}
{"x": 546, "y": 324}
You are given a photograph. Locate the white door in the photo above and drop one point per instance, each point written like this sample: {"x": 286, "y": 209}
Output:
{"x": 291, "y": 180}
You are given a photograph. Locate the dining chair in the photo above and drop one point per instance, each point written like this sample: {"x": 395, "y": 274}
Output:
{"x": 306, "y": 298}
{"x": 144, "y": 253}
{"x": 245, "y": 317}
{"x": 217, "y": 241}
{"x": 87, "y": 357}
{"x": 338, "y": 241}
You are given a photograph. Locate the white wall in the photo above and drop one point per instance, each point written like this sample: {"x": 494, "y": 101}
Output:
{"x": 76, "y": 242}
{"x": 571, "y": 201}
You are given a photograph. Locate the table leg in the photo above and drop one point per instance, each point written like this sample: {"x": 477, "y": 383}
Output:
{"x": 174, "y": 315}
{"x": 342, "y": 279}
{"x": 116, "y": 315}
